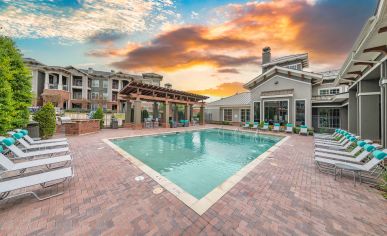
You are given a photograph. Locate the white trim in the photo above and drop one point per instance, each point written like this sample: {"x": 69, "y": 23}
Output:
{"x": 231, "y": 114}
{"x": 384, "y": 81}
{"x": 368, "y": 72}
{"x": 368, "y": 94}
{"x": 333, "y": 106}
{"x": 277, "y": 96}
{"x": 294, "y": 110}
{"x": 279, "y": 100}
{"x": 240, "y": 114}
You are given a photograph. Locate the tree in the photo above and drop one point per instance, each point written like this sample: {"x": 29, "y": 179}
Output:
{"x": 20, "y": 83}
{"x": 46, "y": 119}
{"x": 6, "y": 104}
{"x": 98, "y": 114}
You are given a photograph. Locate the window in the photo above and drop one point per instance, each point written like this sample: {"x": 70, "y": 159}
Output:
{"x": 245, "y": 115}
{"x": 257, "y": 111}
{"x": 94, "y": 107}
{"x": 94, "y": 95}
{"x": 294, "y": 67}
{"x": 105, "y": 96}
{"x": 300, "y": 112}
{"x": 95, "y": 83}
{"x": 105, "y": 83}
{"x": 329, "y": 91}
{"x": 329, "y": 118}
{"x": 276, "y": 111}
{"x": 227, "y": 114}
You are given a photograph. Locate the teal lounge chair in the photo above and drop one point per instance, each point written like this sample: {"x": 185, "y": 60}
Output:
{"x": 265, "y": 126}
{"x": 276, "y": 127}
{"x": 255, "y": 126}
{"x": 304, "y": 130}
{"x": 289, "y": 128}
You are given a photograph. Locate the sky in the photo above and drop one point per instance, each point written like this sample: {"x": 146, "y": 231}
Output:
{"x": 208, "y": 47}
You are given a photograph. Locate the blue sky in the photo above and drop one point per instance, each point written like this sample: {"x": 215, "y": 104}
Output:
{"x": 210, "y": 47}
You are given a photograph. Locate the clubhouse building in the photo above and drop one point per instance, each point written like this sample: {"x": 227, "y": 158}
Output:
{"x": 352, "y": 98}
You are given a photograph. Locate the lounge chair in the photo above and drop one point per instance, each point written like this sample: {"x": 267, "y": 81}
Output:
{"x": 246, "y": 125}
{"x": 349, "y": 140}
{"x": 265, "y": 126}
{"x": 9, "y": 165}
{"x": 367, "y": 150}
{"x": 337, "y": 137}
{"x": 304, "y": 130}
{"x": 328, "y": 136}
{"x": 19, "y": 137}
{"x": 44, "y": 179}
{"x": 289, "y": 128}
{"x": 32, "y": 141}
{"x": 276, "y": 127}
{"x": 340, "y": 141}
{"x": 358, "y": 148}
{"x": 255, "y": 125}
{"x": 369, "y": 168}
{"x": 18, "y": 153}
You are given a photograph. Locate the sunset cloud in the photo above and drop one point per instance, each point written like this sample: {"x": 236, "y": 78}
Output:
{"x": 228, "y": 70}
{"x": 222, "y": 90}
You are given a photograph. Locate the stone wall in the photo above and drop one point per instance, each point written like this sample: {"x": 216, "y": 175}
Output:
{"x": 78, "y": 127}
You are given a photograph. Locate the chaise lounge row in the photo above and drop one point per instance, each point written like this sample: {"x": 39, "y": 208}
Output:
{"x": 276, "y": 127}
{"x": 344, "y": 151}
{"x": 25, "y": 162}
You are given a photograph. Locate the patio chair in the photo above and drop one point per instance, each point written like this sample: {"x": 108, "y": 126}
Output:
{"x": 304, "y": 130}
{"x": 339, "y": 135}
{"x": 276, "y": 127}
{"x": 19, "y": 137}
{"x": 265, "y": 126}
{"x": 367, "y": 150}
{"x": 328, "y": 136}
{"x": 348, "y": 141}
{"x": 45, "y": 179}
{"x": 18, "y": 153}
{"x": 9, "y": 165}
{"x": 255, "y": 125}
{"x": 369, "y": 169}
{"x": 340, "y": 139}
{"x": 289, "y": 128}
{"x": 359, "y": 146}
{"x": 33, "y": 141}
{"x": 246, "y": 125}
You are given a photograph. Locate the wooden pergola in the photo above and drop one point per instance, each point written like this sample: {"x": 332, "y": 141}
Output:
{"x": 135, "y": 92}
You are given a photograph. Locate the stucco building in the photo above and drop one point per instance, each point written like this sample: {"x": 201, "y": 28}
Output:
{"x": 70, "y": 87}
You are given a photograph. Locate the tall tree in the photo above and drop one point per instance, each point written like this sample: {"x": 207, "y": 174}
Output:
{"x": 6, "y": 104}
{"x": 20, "y": 83}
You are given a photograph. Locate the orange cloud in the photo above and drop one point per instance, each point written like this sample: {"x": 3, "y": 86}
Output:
{"x": 222, "y": 90}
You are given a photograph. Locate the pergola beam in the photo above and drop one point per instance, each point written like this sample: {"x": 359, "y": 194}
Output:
{"x": 382, "y": 49}
{"x": 355, "y": 73}
{"x": 363, "y": 63}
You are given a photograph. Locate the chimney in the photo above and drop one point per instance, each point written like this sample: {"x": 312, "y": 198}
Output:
{"x": 266, "y": 55}
{"x": 90, "y": 70}
{"x": 168, "y": 85}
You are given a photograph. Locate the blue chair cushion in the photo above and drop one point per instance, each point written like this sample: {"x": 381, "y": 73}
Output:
{"x": 304, "y": 126}
{"x": 361, "y": 143}
{"x": 25, "y": 132}
{"x": 8, "y": 141}
{"x": 17, "y": 135}
{"x": 369, "y": 147}
{"x": 380, "y": 155}
{"x": 289, "y": 125}
{"x": 352, "y": 139}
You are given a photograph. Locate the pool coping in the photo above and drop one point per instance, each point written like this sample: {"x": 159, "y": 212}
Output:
{"x": 200, "y": 206}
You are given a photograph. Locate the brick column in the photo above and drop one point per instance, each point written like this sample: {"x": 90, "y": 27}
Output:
{"x": 201, "y": 115}
{"x": 165, "y": 123}
{"x": 137, "y": 115}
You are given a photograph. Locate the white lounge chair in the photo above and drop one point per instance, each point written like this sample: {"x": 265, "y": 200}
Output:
{"x": 32, "y": 141}
{"x": 18, "y": 153}
{"x": 44, "y": 179}
{"x": 303, "y": 130}
{"x": 276, "y": 127}
{"x": 289, "y": 128}
{"x": 358, "y": 148}
{"x": 349, "y": 140}
{"x": 265, "y": 126}
{"x": 367, "y": 150}
{"x": 9, "y": 165}
{"x": 246, "y": 125}
{"x": 19, "y": 137}
{"x": 255, "y": 125}
{"x": 337, "y": 133}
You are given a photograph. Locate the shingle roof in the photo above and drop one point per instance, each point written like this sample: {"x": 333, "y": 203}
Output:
{"x": 237, "y": 99}
{"x": 303, "y": 56}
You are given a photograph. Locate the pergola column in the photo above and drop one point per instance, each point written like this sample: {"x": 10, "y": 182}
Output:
{"x": 187, "y": 112}
{"x": 128, "y": 112}
{"x": 201, "y": 115}
{"x": 155, "y": 110}
{"x": 137, "y": 114}
{"x": 165, "y": 123}
{"x": 60, "y": 83}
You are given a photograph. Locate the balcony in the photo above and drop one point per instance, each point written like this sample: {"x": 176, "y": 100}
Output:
{"x": 77, "y": 83}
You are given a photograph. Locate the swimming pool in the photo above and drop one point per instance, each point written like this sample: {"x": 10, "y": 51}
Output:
{"x": 197, "y": 161}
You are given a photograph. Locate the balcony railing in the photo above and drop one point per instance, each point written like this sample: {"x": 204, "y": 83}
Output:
{"x": 53, "y": 86}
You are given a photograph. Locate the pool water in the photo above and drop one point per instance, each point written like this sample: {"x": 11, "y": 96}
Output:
{"x": 198, "y": 161}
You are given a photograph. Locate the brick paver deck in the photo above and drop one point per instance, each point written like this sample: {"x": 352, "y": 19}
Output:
{"x": 284, "y": 195}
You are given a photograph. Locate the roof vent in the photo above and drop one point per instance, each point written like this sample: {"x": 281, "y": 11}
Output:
{"x": 90, "y": 70}
{"x": 168, "y": 85}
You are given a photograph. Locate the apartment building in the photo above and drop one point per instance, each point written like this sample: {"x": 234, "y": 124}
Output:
{"x": 70, "y": 87}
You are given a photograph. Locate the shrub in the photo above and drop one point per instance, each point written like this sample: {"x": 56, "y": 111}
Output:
{"x": 296, "y": 130}
{"x": 98, "y": 114}
{"x": 261, "y": 124}
{"x": 225, "y": 123}
{"x": 46, "y": 119}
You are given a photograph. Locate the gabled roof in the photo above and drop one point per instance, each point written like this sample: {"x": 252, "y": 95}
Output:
{"x": 235, "y": 100}
{"x": 303, "y": 76}
{"x": 289, "y": 58}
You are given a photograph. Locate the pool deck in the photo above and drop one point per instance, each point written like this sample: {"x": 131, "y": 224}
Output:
{"x": 284, "y": 195}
